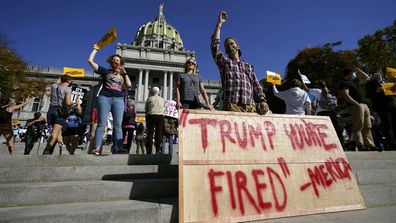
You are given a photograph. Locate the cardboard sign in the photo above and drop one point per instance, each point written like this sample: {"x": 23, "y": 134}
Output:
{"x": 170, "y": 109}
{"x": 109, "y": 37}
{"x": 390, "y": 72}
{"x": 389, "y": 88}
{"x": 74, "y": 72}
{"x": 78, "y": 92}
{"x": 273, "y": 78}
{"x": 241, "y": 167}
{"x": 304, "y": 78}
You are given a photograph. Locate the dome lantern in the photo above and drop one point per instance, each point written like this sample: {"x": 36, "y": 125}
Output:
{"x": 159, "y": 34}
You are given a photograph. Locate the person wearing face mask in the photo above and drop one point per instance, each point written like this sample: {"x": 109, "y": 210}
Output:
{"x": 110, "y": 97}
{"x": 351, "y": 92}
{"x": 241, "y": 88}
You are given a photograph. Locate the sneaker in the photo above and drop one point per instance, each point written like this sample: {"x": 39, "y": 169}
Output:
{"x": 97, "y": 151}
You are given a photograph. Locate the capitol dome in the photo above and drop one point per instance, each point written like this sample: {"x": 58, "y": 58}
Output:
{"x": 158, "y": 34}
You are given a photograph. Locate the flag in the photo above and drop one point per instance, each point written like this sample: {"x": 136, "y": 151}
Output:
{"x": 304, "y": 78}
{"x": 109, "y": 37}
{"x": 74, "y": 72}
{"x": 389, "y": 88}
{"x": 390, "y": 72}
{"x": 273, "y": 77}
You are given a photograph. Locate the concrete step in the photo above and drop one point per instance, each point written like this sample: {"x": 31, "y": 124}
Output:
{"x": 371, "y": 155}
{"x": 22, "y": 194}
{"x": 74, "y": 173}
{"x": 372, "y": 164}
{"x": 160, "y": 210}
{"x": 378, "y": 195}
{"x": 386, "y": 214}
{"x": 84, "y": 160}
{"x": 375, "y": 176}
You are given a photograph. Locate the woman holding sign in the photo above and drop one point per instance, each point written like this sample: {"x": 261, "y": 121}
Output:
{"x": 110, "y": 97}
{"x": 190, "y": 88}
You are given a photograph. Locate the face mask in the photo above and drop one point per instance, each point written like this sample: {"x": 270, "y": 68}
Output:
{"x": 353, "y": 76}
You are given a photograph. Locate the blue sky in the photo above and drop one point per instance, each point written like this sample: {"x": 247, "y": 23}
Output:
{"x": 60, "y": 33}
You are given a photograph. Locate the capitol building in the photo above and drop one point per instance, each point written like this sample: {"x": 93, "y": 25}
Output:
{"x": 154, "y": 59}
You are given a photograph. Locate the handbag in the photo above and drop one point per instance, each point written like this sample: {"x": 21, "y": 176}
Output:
{"x": 63, "y": 112}
{"x": 198, "y": 98}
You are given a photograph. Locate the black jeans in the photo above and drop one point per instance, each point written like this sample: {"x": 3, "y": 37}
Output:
{"x": 130, "y": 137}
{"x": 29, "y": 143}
{"x": 154, "y": 122}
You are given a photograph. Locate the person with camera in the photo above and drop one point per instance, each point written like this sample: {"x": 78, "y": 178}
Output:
{"x": 35, "y": 128}
{"x": 110, "y": 97}
{"x": 241, "y": 88}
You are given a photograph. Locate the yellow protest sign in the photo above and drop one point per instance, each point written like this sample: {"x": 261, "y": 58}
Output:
{"x": 236, "y": 167}
{"x": 109, "y": 37}
{"x": 390, "y": 72}
{"x": 273, "y": 78}
{"x": 389, "y": 88}
{"x": 74, "y": 72}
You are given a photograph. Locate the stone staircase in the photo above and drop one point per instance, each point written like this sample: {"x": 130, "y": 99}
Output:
{"x": 375, "y": 174}
{"x": 143, "y": 188}
{"x": 86, "y": 188}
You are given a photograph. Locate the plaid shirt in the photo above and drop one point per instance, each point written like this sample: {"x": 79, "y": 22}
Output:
{"x": 238, "y": 78}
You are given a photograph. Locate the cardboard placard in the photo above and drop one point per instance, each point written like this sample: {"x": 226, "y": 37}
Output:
{"x": 170, "y": 109}
{"x": 274, "y": 78}
{"x": 240, "y": 167}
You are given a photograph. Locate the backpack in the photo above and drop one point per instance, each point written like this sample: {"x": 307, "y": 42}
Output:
{"x": 328, "y": 101}
{"x": 73, "y": 121}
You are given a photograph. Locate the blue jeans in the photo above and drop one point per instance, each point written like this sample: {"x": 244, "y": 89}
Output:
{"x": 116, "y": 106}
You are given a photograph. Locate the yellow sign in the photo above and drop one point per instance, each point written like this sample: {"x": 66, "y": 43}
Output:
{"x": 74, "y": 72}
{"x": 109, "y": 37}
{"x": 141, "y": 119}
{"x": 236, "y": 167}
{"x": 390, "y": 72}
{"x": 389, "y": 88}
{"x": 274, "y": 78}
{"x": 15, "y": 122}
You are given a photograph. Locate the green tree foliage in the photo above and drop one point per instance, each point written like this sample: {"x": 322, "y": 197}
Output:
{"x": 378, "y": 50}
{"x": 14, "y": 81}
{"x": 321, "y": 63}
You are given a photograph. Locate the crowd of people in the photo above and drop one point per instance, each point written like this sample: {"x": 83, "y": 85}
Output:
{"x": 241, "y": 92}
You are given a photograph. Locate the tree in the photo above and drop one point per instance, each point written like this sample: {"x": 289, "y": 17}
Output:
{"x": 378, "y": 50}
{"x": 321, "y": 63}
{"x": 14, "y": 81}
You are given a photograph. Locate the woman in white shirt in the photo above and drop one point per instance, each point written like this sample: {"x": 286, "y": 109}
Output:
{"x": 297, "y": 100}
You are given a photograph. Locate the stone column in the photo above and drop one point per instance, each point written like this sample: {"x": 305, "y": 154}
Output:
{"x": 140, "y": 86}
{"x": 164, "y": 87}
{"x": 170, "y": 85}
{"x": 146, "y": 82}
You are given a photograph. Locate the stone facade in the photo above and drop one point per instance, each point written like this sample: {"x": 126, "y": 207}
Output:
{"x": 153, "y": 59}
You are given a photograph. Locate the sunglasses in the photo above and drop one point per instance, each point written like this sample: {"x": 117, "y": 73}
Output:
{"x": 190, "y": 62}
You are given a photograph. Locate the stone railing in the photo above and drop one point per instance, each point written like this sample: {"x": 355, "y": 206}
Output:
{"x": 55, "y": 70}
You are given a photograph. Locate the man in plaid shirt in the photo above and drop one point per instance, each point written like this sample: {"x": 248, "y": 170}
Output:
{"x": 241, "y": 87}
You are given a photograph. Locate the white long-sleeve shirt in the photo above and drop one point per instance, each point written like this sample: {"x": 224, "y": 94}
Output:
{"x": 297, "y": 100}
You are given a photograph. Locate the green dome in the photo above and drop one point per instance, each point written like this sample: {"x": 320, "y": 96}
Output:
{"x": 158, "y": 34}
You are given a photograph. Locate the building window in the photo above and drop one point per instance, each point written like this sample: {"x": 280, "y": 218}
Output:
{"x": 36, "y": 105}
{"x": 156, "y": 80}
